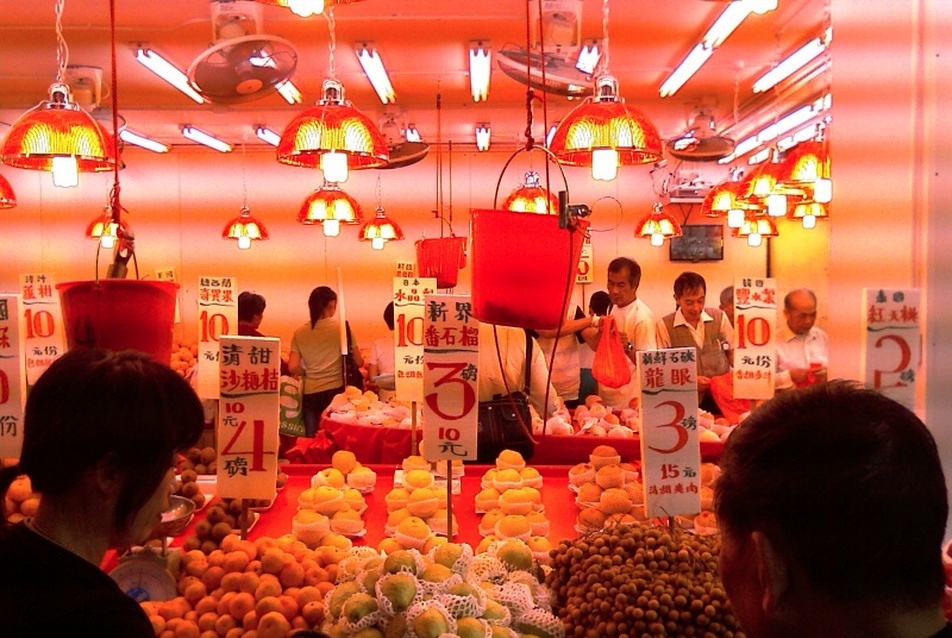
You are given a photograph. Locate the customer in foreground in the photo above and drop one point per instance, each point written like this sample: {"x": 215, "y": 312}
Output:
{"x": 101, "y": 433}
{"x": 832, "y": 506}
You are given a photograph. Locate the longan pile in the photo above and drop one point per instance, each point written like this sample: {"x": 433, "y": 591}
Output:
{"x": 634, "y": 580}
{"x": 222, "y": 518}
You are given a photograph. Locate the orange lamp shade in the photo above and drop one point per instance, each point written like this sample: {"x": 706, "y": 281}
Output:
{"x": 330, "y": 203}
{"x": 531, "y": 197}
{"x": 658, "y": 226}
{"x": 379, "y": 230}
{"x": 723, "y": 198}
{"x": 7, "y": 197}
{"x": 245, "y": 228}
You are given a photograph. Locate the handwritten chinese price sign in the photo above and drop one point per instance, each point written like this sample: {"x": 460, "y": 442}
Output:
{"x": 893, "y": 336}
{"x": 248, "y": 417}
{"x": 12, "y": 372}
{"x": 451, "y": 347}
{"x": 168, "y": 274}
{"x": 755, "y": 355}
{"x": 43, "y": 341}
{"x": 670, "y": 447}
{"x": 217, "y": 316}
{"x": 409, "y": 295}
{"x": 586, "y": 263}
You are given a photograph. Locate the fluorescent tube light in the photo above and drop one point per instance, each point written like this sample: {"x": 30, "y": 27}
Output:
{"x": 695, "y": 59}
{"x": 790, "y": 65}
{"x": 483, "y": 136}
{"x": 208, "y": 140}
{"x": 376, "y": 73}
{"x": 168, "y": 72}
{"x": 412, "y": 134}
{"x": 289, "y": 92}
{"x": 730, "y": 18}
{"x": 267, "y": 135}
{"x": 480, "y": 59}
{"x": 588, "y": 57}
{"x": 130, "y": 137}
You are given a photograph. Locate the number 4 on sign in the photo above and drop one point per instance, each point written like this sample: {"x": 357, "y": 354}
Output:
{"x": 257, "y": 452}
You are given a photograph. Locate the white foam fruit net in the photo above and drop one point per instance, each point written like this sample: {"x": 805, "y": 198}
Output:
{"x": 460, "y": 565}
{"x": 472, "y": 604}
{"x": 385, "y": 604}
{"x": 418, "y": 608}
{"x": 540, "y": 622}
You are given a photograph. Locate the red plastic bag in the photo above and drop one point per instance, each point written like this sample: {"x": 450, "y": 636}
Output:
{"x": 610, "y": 365}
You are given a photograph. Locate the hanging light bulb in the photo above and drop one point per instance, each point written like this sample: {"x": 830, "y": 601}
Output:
{"x": 306, "y": 8}
{"x": 658, "y": 225}
{"x": 531, "y": 197}
{"x": 330, "y": 206}
{"x": 823, "y": 190}
{"x": 735, "y": 218}
{"x": 244, "y": 228}
{"x": 334, "y": 167}
{"x": 379, "y": 230}
{"x": 776, "y": 204}
{"x": 604, "y": 164}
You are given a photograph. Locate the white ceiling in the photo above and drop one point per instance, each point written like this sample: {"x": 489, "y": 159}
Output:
{"x": 424, "y": 44}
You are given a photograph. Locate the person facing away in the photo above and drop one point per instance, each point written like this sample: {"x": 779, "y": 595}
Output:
{"x": 635, "y": 323}
{"x": 802, "y": 351}
{"x": 832, "y": 507}
{"x": 727, "y": 303}
{"x": 250, "y": 314}
{"x": 101, "y": 435}
{"x": 381, "y": 361}
{"x": 316, "y": 355}
{"x": 507, "y": 345}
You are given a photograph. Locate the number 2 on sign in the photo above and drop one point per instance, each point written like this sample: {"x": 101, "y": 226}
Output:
{"x": 257, "y": 445}
{"x": 451, "y": 377}
{"x": 678, "y": 427}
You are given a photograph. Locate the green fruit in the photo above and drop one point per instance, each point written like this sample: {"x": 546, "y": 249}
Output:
{"x": 400, "y": 590}
{"x": 436, "y": 573}
{"x": 358, "y": 606}
{"x": 430, "y": 623}
{"x": 463, "y": 589}
{"x": 494, "y": 611}
{"x": 369, "y": 632}
{"x": 340, "y": 595}
{"x": 400, "y": 560}
{"x": 469, "y": 627}
{"x": 500, "y": 632}
{"x": 515, "y": 554}
{"x": 447, "y": 554}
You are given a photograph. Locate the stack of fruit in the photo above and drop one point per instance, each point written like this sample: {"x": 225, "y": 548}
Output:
{"x": 417, "y": 500}
{"x": 334, "y": 504}
{"x": 184, "y": 357}
{"x": 606, "y": 490}
{"x": 365, "y": 408}
{"x": 20, "y": 500}
{"x": 447, "y": 590}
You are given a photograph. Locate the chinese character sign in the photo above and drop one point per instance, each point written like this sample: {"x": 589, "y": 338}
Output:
{"x": 409, "y": 295}
{"x": 168, "y": 274}
{"x": 755, "y": 353}
{"x": 451, "y": 347}
{"x": 670, "y": 446}
{"x": 891, "y": 349}
{"x": 586, "y": 263}
{"x": 217, "y": 316}
{"x": 43, "y": 337}
{"x": 12, "y": 376}
{"x": 250, "y": 380}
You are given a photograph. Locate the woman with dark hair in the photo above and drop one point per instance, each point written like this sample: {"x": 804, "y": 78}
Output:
{"x": 381, "y": 363}
{"x": 101, "y": 434}
{"x": 316, "y": 355}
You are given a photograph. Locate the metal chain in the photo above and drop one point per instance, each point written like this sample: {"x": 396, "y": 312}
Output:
{"x": 332, "y": 42}
{"x": 62, "y": 51}
{"x": 604, "y": 60}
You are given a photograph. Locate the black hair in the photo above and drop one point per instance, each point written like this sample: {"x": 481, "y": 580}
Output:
{"x": 317, "y": 302}
{"x": 688, "y": 281}
{"x": 388, "y": 315}
{"x": 250, "y": 304}
{"x": 600, "y": 302}
{"x": 634, "y": 270}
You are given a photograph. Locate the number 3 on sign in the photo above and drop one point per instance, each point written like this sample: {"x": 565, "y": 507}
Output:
{"x": 678, "y": 427}
{"x": 451, "y": 377}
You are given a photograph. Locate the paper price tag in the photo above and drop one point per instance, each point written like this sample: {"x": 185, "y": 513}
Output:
{"x": 892, "y": 343}
{"x": 217, "y": 316}
{"x": 755, "y": 351}
{"x": 248, "y": 416}
{"x": 451, "y": 357}
{"x": 12, "y": 376}
{"x": 670, "y": 446}
{"x": 43, "y": 337}
{"x": 409, "y": 298}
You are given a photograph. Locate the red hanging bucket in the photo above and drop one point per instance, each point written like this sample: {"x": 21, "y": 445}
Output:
{"x": 120, "y": 314}
{"x": 524, "y": 267}
{"x": 442, "y": 258}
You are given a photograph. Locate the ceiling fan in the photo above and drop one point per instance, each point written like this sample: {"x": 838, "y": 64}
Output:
{"x": 244, "y": 64}
{"x": 700, "y": 141}
{"x": 402, "y": 151}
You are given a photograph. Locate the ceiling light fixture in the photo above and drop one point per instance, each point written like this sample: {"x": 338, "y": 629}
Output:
{"x": 755, "y": 229}
{"x": 725, "y": 24}
{"x": 330, "y": 207}
{"x": 106, "y": 230}
{"x": 209, "y": 140}
{"x": 658, "y": 225}
{"x": 483, "y": 136}
{"x": 290, "y": 93}
{"x": 792, "y": 63}
{"x": 588, "y": 57}
{"x": 604, "y": 132}
{"x": 131, "y": 137}
{"x": 807, "y": 165}
{"x": 531, "y": 197}
{"x": 333, "y": 126}
{"x": 480, "y": 64}
{"x": 375, "y": 71}
{"x": 412, "y": 134}
{"x": 168, "y": 72}
{"x": 7, "y": 198}
{"x": 305, "y": 8}
{"x": 267, "y": 136}
{"x": 380, "y": 230}
{"x": 245, "y": 228}
{"x": 57, "y": 135}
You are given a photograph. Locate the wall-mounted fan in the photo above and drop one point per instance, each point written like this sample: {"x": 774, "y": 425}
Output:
{"x": 244, "y": 64}
{"x": 700, "y": 142}
{"x": 402, "y": 152}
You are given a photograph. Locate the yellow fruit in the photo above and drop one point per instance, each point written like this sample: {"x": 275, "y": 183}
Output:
{"x": 430, "y": 623}
{"x": 344, "y": 461}
{"x": 400, "y": 589}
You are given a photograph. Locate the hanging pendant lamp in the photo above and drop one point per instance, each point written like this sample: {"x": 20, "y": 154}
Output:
{"x": 381, "y": 229}
{"x": 330, "y": 207}
{"x": 809, "y": 212}
{"x": 57, "y": 135}
{"x": 531, "y": 197}
{"x": 807, "y": 166}
{"x": 658, "y": 226}
{"x": 755, "y": 229}
{"x": 7, "y": 197}
{"x": 245, "y": 228}
{"x": 106, "y": 230}
{"x": 305, "y": 8}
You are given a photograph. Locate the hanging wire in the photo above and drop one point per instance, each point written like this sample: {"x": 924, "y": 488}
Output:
{"x": 62, "y": 50}
{"x": 332, "y": 42}
{"x": 603, "y": 62}
{"x": 244, "y": 181}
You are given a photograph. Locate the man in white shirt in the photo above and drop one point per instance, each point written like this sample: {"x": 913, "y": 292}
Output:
{"x": 802, "y": 353}
{"x": 636, "y": 325}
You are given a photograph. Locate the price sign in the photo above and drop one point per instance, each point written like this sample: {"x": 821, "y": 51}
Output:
{"x": 217, "y": 316}
{"x": 43, "y": 338}
{"x": 409, "y": 296}
{"x": 168, "y": 274}
{"x": 451, "y": 356}
{"x": 586, "y": 264}
{"x": 248, "y": 416}
{"x": 670, "y": 446}
{"x": 891, "y": 349}
{"x": 12, "y": 376}
{"x": 755, "y": 355}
